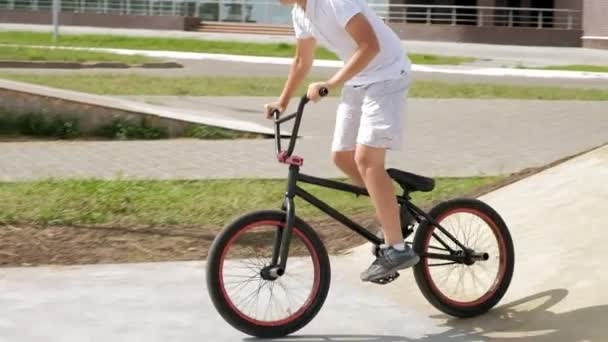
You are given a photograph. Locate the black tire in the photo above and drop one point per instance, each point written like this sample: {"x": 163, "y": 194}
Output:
{"x": 422, "y": 271}
{"x": 237, "y": 319}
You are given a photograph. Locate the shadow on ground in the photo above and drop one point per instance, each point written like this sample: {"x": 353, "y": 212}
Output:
{"x": 527, "y": 319}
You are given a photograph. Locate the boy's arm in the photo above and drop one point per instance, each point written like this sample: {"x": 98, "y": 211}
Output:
{"x": 368, "y": 47}
{"x": 302, "y": 63}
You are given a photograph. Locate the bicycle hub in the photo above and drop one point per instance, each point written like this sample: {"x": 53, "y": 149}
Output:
{"x": 271, "y": 272}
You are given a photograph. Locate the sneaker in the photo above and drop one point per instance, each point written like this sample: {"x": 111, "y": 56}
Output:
{"x": 390, "y": 261}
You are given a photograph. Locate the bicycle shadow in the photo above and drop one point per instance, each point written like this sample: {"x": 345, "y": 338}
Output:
{"x": 526, "y": 319}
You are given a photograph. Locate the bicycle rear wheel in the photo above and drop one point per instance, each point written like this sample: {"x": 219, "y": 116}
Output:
{"x": 241, "y": 288}
{"x": 470, "y": 288}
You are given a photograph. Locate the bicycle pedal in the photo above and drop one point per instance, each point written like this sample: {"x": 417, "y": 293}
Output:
{"x": 387, "y": 279}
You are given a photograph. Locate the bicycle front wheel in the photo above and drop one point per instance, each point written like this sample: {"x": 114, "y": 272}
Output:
{"x": 243, "y": 292}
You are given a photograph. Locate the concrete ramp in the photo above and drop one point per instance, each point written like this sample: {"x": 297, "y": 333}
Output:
{"x": 92, "y": 109}
{"x": 557, "y": 219}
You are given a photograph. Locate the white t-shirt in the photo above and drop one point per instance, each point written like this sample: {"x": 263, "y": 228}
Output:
{"x": 326, "y": 20}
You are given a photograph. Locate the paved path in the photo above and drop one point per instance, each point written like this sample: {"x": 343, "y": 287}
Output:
{"x": 491, "y": 55}
{"x": 557, "y": 294}
{"x": 444, "y": 138}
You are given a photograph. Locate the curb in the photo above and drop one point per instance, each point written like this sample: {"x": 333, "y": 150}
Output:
{"x": 86, "y": 65}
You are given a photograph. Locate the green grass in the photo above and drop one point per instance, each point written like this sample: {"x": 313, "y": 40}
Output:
{"x": 115, "y": 84}
{"x": 193, "y": 45}
{"x": 38, "y": 125}
{"x": 575, "y": 67}
{"x": 59, "y": 55}
{"x": 67, "y": 127}
{"x": 216, "y": 133}
{"x": 439, "y": 60}
{"x": 208, "y": 202}
{"x": 131, "y": 129}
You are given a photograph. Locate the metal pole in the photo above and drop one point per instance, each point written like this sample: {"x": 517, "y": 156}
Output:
{"x": 56, "y": 9}
{"x": 510, "y": 18}
{"x": 220, "y": 10}
{"x": 128, "y": 4}
{"x": 267, "y": 14}
{"x": 569, "y": 20}
{"x": 540, "y": 19}
{"x": 173, "y": 10}
{"x": 453, "y": 16}
{"x": 242, "y": 11}
{"x": 11, "y": 4}
{"x": 480, "y": 18}
{"x": 428, "y": 15}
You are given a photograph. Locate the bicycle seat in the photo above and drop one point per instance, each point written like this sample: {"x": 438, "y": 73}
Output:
{"x": 412, "y": 182}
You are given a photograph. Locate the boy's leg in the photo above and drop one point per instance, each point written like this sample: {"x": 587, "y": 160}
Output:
{"x": 345, "y": 161}
{"x": 381, "y": 129}
{"x": 395, "y": 254}
{"x": 371, "y": 165}
{"x": 348, "y": 118}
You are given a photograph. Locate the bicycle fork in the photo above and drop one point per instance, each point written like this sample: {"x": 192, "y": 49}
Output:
{"x": 282, "y": 237}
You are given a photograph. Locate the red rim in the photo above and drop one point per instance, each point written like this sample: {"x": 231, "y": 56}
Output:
{"x": 502, "y": 261}
{"x": 316, "y": 283}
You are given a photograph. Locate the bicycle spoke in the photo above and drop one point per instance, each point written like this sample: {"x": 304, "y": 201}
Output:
{"x": 237, "y": 276}
{"x": 438, "y": 248}
{"x": 446, "y": 277}
{"x": 443, "y": 264}
{"x": 240, "y": 287}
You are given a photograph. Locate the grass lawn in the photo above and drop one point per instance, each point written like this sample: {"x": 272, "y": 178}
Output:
{"x": 120, "y": 84}
{"x": 94, "y": 221}
{"x": 193, "y": 45}
{"x": 575, "y": 67}
{"x": 58, "y": 55}
{"x": 205, "y": 202}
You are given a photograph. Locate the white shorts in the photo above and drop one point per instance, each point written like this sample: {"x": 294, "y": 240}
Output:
{"x": 372, "y": 115}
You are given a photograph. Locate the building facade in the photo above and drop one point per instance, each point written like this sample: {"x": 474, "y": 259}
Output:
{"x": 521, "y": 22}
{"x": 595, "y": 24}
{"x": 530, "y": 22}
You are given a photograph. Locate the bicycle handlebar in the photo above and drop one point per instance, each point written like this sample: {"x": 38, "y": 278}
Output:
{"x": 296, "y": 126}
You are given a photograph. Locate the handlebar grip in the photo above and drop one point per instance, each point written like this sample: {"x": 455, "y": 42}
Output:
{"x": 323, "y": 92}
{"x": 275, "y": 114}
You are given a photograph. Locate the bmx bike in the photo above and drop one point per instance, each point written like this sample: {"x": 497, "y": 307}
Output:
{"x": 465, "y": 248}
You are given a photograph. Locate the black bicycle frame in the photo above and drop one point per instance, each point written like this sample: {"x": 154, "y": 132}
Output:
{"x": 282, "y": 238}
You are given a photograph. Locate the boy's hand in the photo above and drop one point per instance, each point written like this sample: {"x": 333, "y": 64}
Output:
{"x": 313, "y": 90}
{"x": 270, "y": 107}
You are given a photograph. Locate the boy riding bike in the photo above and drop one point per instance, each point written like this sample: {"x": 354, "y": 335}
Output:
{"x": 375, "y": 80}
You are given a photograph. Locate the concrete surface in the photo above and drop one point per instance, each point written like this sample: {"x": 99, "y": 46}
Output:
{"x": 491, "y": 55}
{"x": 89, "y": 108}
{"x": 556, "y": 219}
{"x": 443, "y": 138}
